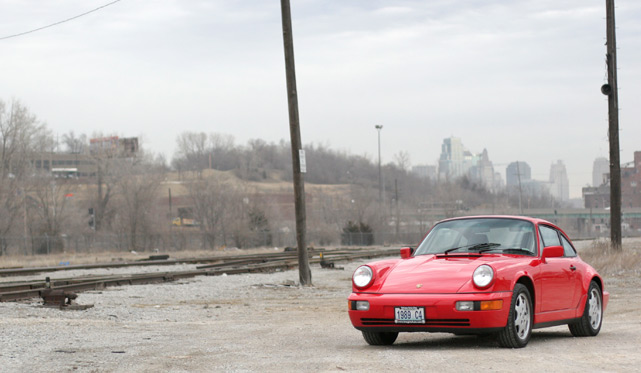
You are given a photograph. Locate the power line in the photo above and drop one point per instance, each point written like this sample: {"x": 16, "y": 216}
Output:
{"x": 59, "y": 22}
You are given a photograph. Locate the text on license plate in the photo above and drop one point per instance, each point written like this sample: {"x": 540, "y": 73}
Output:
{"x": 409, "y": 315}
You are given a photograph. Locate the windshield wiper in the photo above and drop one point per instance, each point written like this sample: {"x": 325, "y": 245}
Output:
{"x": 480, "y": 246}
{"x": 517, "y": 250}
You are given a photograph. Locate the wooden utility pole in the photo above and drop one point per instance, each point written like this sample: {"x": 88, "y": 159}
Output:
{"x": 298, "y": 155}
{"x": 611, "y": 90}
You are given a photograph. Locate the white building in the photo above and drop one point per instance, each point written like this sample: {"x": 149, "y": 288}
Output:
{"x": 559, "y": 184}
{"x": 451, "y": 162}
{"x": 456, "y": 161}
{"x": 600, "y": 171}
{"x": 425, "y": 171}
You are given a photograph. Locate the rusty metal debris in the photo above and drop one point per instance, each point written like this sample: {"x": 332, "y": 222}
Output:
{"x": 327, "y": 264}
{"x": 60, "y": 298}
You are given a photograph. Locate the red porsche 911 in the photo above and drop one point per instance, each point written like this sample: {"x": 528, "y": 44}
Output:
{"x": 503, "y": 275}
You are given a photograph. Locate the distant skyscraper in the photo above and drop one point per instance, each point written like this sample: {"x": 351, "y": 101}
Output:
{"x": 486, "y": 170}
{"x": 456, "y": 161}
{"x": 559, "y": 185}
{"x": 513, "y": 171}
{"x": 498, "y": 181}
{"x": 450, "y": 163}
{"x": 483, "y": 170}
{"x": 600, "y": 170}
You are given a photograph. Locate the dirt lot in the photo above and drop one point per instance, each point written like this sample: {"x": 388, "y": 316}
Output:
{"x": 258, "y": 323}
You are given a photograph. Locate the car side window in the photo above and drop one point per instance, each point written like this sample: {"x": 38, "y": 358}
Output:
{"x": 550, "y": 236}
{"x": 568, "y": 250}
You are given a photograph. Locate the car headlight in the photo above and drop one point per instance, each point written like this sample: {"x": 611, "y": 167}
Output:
{"x": 362, "y": 276}
{"x": 483, "y": 276}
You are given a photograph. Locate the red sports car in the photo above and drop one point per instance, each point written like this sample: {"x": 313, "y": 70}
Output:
{"x": 504, "y": 275}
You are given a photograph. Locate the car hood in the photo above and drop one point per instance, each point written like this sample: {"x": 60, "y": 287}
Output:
{"x": 435, "y": 274}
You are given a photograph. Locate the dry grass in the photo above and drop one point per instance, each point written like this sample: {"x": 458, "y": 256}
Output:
{"x": 611, "y": 262}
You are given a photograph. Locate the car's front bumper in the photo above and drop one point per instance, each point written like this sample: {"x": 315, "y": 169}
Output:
{"x": 440, "y": 312}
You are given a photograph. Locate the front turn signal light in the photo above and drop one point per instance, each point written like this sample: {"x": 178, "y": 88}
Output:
{"x": 491, "y": 305}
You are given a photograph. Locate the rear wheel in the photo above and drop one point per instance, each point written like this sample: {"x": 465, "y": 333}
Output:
{"x": 518, "y": 330}
{"x": 379, "y": 338}
{"x": 590, "y": 323}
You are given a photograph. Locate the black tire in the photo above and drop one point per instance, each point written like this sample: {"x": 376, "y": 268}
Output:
{"x": 379, "y": 338}
{"x": 590, "y": 323}
{"x": 518, "y": 330}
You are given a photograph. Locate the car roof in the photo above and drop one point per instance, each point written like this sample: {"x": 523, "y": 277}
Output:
{"x": 516, "y": 217}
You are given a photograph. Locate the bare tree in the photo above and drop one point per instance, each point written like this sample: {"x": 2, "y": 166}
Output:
{"x": 192, "y": 151}
{"x": 106, "y": 178}
{"x": 49, "y": 213}
{"x": 21, "y": 135}
{"x": 108, "y": 172}
{"x": 75, "y": 144}
{"x": 403, "y": 160}
{"x": 214, "y": 200}
{"x": 197, "y": 151}
{"x": 137, "y": 186}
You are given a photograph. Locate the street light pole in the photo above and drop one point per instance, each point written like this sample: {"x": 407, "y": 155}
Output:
{"x": 380, "y": 177}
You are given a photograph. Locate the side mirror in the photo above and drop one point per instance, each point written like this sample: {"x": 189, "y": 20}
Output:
{"x": 553, "y": 252}
{"x": 406, "y": 252}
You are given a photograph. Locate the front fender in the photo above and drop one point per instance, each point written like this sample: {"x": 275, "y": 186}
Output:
{"x": 381, "y": 269}
{"x": 591, "y": 275}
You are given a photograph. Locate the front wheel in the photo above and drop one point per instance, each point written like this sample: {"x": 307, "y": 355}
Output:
{"x": 379, "y": 338}
{"x": 518, "y": 330}
{"x": 590, "y": 323}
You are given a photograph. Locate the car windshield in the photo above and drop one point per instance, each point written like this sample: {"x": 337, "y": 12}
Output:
{"x": 512, "y": 236}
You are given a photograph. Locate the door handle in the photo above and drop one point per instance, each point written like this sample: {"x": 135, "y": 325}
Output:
{"x": 572, "y": 267}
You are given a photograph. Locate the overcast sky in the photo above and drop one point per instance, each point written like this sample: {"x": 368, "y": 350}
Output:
{"x": 519, "y": 78}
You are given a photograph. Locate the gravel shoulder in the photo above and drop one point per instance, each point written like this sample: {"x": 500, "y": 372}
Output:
{"x": 258, "y": 322}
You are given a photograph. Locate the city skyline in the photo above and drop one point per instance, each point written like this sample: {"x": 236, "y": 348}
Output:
{"x": 456, "y": 161}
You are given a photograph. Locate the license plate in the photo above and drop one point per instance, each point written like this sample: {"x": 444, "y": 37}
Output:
{"x": 409, "y": 315}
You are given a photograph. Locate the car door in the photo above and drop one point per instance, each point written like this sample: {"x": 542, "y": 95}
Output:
{"x": 579, "y": 269}
{"x": 558, "y": 275}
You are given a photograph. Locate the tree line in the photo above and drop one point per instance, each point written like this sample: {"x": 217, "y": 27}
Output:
{"x": 123, "y": 204}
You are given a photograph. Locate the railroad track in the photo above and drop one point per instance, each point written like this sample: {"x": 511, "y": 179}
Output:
{"x": 215, "y": 266}
{"x": 246, "y": 258}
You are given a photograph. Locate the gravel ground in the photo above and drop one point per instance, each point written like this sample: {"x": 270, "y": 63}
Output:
{"x": 259, "y": 322}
